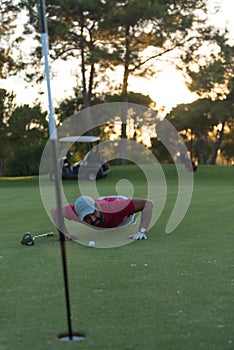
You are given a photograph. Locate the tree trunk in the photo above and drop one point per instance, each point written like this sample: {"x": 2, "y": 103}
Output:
{"x": 125, "y": 100}
{"x": 83, "y": 70}
{"x": 217, "y": 144}
{"x": 199, "y": 148}
{"x": 204, "y": 149}
{"x": 86, "y": 94}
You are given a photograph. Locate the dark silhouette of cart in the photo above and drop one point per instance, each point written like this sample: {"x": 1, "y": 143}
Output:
{"x": 93, "y": 166}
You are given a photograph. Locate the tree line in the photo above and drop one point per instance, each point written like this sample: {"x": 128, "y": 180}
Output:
{"x": 100, "y": 36}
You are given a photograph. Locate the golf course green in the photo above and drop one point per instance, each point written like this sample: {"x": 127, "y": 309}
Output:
{"x": 172, "y": 291}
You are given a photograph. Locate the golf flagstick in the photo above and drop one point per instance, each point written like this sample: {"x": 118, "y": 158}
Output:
{"x": 54, "y": 149}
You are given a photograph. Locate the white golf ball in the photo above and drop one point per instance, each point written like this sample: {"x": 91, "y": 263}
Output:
{"x": 91, "y": 244}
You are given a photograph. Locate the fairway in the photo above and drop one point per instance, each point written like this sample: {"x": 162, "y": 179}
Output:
{"x": 173, "y": 291}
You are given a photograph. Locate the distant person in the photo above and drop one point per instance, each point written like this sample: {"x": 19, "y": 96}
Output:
{"x": 108, "y": 212}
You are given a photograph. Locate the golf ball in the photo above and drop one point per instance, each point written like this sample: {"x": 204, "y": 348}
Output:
{"x": 91, "y": 244}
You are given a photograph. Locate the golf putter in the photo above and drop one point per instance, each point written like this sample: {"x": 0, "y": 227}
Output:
{"x": 28, "y": 239}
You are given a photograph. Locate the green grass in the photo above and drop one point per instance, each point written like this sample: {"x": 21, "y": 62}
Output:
{"x": 173, "y": 291}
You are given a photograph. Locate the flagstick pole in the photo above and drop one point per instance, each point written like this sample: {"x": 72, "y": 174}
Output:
{"x": 54, "y": 148}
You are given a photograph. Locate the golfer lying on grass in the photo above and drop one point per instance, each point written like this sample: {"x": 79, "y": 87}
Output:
{"x": 109, "y": 212}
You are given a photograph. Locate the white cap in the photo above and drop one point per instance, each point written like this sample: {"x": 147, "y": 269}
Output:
{"x": 84, "y": 205}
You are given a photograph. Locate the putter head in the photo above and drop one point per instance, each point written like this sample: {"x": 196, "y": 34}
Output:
{"x": 27, "y": 239}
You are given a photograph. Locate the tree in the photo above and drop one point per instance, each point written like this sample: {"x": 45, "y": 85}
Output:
{"x": 224, "y": 113}
{"x": 135, "y": 124}
{"x": 105, "y": 34}
{"x": 72, "y": 105}
{"x": 74, "y": 35}
{"x": 176, "y": 26}
{"x": 27, "y": 134}
{"x": 130, "y": 34}
{"x": 194, "y": 122}
{"x": 215, "y": 80}
{"x": 202, "y": 124}
{"x": 227, "y": 147}
{"x": 23, "y": 135}
{"x": 8, "y": 14}
{"x": 6, "y": 107}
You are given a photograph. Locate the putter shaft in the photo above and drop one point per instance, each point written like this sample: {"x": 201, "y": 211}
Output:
{"x": 49, "y": 234}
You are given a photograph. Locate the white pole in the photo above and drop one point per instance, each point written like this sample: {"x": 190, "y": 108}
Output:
{"x": 54, "y": 138}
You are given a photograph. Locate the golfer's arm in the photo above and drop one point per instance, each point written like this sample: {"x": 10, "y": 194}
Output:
{"x": 145, "y": 206}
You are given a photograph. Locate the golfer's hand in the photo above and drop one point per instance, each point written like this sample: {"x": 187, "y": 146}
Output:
{"x": 137, "y": 236}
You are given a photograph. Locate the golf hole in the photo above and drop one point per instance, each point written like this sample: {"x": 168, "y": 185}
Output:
{"x": 75, "y": 337}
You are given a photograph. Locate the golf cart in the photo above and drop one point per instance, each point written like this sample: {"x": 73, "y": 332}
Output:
{"x": 91, "y": 167}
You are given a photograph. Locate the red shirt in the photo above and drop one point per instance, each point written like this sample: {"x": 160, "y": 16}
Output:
{"x": 114, "y": 210}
